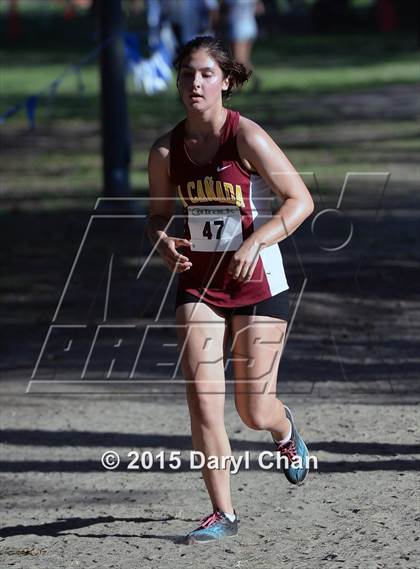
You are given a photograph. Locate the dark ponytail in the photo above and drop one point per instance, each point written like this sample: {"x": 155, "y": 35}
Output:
{"x": 237, "y": 73}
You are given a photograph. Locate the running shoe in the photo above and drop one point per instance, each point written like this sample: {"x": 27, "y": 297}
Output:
{"x": 213, "y": 527}
{"x": 295, "y": 447}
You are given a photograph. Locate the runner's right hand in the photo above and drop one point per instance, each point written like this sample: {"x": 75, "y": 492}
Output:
{"x": 173, "y": 260}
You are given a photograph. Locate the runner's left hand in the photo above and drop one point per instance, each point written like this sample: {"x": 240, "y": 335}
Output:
{"x": 244, "y": 261}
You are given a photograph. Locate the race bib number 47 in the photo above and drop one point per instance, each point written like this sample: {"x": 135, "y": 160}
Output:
{"x": 215, "y": 228}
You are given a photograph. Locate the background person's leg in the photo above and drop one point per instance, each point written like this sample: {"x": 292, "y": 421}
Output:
{"x": 257, "y": 345}
{"x": 201, "y": 342}
{"x": 242, "y": 52}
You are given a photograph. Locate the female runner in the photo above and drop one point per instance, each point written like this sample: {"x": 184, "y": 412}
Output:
{"x": 224, "y": 168}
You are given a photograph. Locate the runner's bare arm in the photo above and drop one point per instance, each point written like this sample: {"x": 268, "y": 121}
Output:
{"x": 259, "y": 150}
{"x": 162, "y": 207}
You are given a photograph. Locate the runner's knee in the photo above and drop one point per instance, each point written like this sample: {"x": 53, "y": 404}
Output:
{"x": 257, "y": 420}
{"x": 207, "y": 408}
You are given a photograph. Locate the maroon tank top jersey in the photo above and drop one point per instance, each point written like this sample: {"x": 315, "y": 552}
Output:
{"x": 223, "y": 203}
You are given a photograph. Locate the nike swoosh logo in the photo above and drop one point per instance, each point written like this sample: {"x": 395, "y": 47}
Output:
{"x": 219, "y": 169}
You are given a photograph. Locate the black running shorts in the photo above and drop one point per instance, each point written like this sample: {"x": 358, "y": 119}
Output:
{"x": 276, "y": 306}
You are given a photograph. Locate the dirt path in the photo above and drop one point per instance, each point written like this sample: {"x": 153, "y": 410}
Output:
{"x": 64, "y": 510}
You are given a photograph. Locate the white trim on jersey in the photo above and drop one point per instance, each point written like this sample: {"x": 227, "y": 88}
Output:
{"x": 271, "y": 257}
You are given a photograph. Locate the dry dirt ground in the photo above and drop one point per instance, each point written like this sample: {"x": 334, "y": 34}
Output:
{"x": 62, "y": 509}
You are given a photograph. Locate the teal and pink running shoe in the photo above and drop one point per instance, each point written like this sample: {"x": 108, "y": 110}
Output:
{"x": 296, "y": 449}
{"x": 213, "y": 527}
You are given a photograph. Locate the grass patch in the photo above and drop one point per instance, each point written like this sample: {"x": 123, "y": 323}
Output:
{"x": 60, "y": 162}
{"x": 310, "y": 64}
